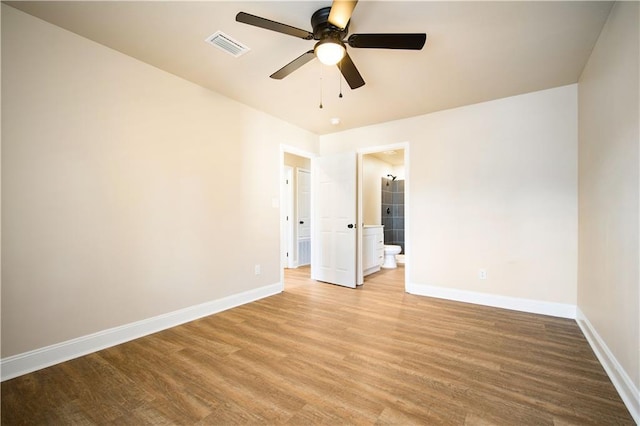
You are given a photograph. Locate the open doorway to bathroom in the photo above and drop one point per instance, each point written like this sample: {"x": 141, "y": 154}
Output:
{"x": 384, "y": 199}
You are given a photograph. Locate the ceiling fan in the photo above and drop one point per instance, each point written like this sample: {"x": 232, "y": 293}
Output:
{"x": 330, "y": 27}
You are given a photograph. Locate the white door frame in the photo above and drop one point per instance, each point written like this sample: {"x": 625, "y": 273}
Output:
{"x": 359, "y": 220}
{"x": 407, "y": 217}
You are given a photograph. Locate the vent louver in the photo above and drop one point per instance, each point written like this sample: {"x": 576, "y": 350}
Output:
{"x": 228, "y": 44}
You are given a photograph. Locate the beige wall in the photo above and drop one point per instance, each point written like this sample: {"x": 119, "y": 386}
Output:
{"x": 609, "y": 258}
{"x": 373, "y": 170}
{"x": 294, "y": 161}
{"x": 493, "y": 186}
{"x": 126, "y": 192}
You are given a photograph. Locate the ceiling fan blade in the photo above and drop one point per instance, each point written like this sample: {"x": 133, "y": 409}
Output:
{"x": 350, "y": 72}
{"x": 413, "y": 41}
{"x": 293, "y": 65}
{"x": 267, "y": 24}
{"x": 341, "y": 11}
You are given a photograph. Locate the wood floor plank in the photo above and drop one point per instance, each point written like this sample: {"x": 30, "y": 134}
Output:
{"x": 323, "y": 354}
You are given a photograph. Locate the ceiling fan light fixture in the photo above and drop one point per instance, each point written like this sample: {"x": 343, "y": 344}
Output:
{"x": 330, "y": 51}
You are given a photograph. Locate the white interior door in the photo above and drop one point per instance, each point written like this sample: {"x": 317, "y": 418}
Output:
{"x": 303, "y": 197}
{"x": 304, "y": 203}
{"x": 333, "y": 254}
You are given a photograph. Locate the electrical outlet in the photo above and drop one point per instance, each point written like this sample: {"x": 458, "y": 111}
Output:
{"x": 257, "y": 269}
{"x": 482, "y": 274}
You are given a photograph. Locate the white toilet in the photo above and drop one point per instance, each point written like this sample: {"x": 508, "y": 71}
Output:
{"x": 390, "y": 252}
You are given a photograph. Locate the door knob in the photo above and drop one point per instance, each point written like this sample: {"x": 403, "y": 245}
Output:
{"x": 350, "y": 226}
{"x": 302, "y": 222}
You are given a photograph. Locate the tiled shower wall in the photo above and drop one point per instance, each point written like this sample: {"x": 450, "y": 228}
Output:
{"x": 393, "y": 211}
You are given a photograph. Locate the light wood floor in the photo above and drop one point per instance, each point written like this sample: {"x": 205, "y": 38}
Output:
{"x": 322, "y": 354}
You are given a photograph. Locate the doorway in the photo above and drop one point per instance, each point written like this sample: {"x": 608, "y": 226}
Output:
{"x": 295, "y": 205}
{"x": 383, "y": 198}
{"x": 400, "y": 152}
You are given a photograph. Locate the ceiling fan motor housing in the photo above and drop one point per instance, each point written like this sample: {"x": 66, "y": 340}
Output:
{"x": 322, "y": 29}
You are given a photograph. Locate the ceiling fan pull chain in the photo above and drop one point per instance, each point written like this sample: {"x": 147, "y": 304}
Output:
{"x": 320, "y": 86}
{"x": 340, "y": 78}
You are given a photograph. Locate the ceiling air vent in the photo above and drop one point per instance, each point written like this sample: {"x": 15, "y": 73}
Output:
{"x": 226, "y": 43}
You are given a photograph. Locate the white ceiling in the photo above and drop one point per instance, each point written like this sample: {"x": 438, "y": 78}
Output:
{"x": 395, "y": 157}
{"x": 475, "y": 51}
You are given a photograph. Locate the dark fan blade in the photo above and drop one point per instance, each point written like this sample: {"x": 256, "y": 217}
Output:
{"x": 293, "y": 65}
{"x": 388, "y": 41}
{"x": 350, "y": 72}
{"x": 267, "y": 24}
{"x": 341, "y": 11}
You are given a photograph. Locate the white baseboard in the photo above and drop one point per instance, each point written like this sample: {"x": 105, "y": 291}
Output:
{"x": 37, "y": 359}
{"x": 561, "y": 310}
{"x": 629, "y": 393}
